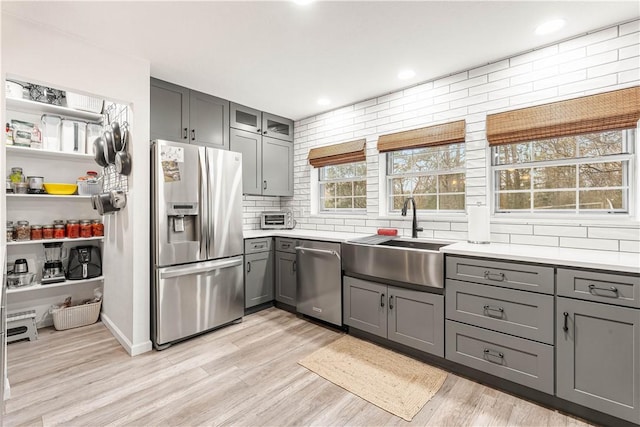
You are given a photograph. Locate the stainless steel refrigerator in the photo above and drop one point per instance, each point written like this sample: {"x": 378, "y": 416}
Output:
{"x": 197, "y": 240}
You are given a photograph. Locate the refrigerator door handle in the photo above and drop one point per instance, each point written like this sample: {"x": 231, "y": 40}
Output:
{"x": 203, "y": 205}
{"x": 170, "y": 272}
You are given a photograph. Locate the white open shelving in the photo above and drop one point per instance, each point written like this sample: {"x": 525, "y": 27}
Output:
{"x": 48, "y": 196}
{"x": 34, "y": 107}
{"x": 40, "y": 286}
{"x": 47, "y": 154}
{"x": 65, "y": 240}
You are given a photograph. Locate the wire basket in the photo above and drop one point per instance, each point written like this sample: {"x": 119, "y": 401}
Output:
{"x": 76, "y": 316}
{"x": 84, "y": 103}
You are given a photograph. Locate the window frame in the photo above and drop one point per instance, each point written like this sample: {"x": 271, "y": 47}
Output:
{"x": 320, "y": 182}
{"x": 436, "y": 173}
{"x": 628, "y": 161}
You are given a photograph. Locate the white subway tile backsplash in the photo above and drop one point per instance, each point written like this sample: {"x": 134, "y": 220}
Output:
{"x": 591, "y": 63}
{"x": 519, "y": 239}
{"x": 599, "y": 244}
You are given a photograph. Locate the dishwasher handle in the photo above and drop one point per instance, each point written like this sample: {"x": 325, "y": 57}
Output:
{"x": 318, "y": 251}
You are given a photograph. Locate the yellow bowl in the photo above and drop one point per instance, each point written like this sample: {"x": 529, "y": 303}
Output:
{"x": 60, "y": 189}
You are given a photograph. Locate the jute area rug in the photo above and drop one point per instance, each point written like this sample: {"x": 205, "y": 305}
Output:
{"x": 394, "y": 382}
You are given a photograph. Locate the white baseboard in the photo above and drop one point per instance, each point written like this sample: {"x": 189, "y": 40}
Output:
{"x": 132, "y": 349}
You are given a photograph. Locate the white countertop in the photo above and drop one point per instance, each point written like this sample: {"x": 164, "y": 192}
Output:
{"x": 585, "y": 258}
{"x": 602, "y": 260}
{"x": 329, "y": 236}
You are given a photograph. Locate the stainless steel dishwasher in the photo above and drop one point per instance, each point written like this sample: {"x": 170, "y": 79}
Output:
{"x": 319, "y": 277}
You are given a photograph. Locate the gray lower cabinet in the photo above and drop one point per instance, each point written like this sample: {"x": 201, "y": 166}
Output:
{"x": 598, "y": 356}
{"x": 515, "y": 359}
{"x": 267, "y": 163}
{"x": 412, "y": 318}
{"x": 258, "y": 271}
{"x": 184, "y": 115}
{"x": 286, "y": 278}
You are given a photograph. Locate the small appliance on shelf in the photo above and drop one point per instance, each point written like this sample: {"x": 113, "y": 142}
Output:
{"x": 53, "y": 272}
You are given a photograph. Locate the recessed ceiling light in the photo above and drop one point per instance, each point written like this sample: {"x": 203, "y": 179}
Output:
{"x": 324, "y": 101}
{"x": 303, "y": 2}
{"x": 550, "y": 26}
{"x": 406, "y": 74}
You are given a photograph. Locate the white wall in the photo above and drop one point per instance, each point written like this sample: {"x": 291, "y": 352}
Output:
{"x": 602, "y": 61}
{"x": 43, "y": 55}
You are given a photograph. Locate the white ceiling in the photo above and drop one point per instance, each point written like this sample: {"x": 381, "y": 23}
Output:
{"x": 281, "y": 57}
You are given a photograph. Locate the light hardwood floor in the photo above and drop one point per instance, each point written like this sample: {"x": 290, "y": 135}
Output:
{"x": 243, "y": 375}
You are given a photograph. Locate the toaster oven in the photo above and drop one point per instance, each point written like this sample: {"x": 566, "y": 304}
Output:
{"x": 276, "y": 220}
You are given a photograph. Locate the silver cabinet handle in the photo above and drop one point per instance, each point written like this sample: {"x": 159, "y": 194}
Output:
{"x": 264, "y": 184}
{"x": 488, "y": 308}
{"x": 318, "y": 251}
{"x": 294, "y": 266}
{"x": 381, "y": 300}
{"x": 184, "y": 135}
{"x": 248, "y": 266}
{"x": 498, "y": 277}
{"x": 492, "y": 353}
{"x": 193, "y": 134}
{"x": 612, "y": 289}
{"x": 390, "y": 302}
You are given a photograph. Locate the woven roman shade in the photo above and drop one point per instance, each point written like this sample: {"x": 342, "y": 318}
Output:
{"x": 446, "y": 133}
{"x": 619, "y": 109}
{"x": 337, "y": 154}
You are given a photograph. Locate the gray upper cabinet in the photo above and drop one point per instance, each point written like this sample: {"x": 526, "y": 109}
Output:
{"x": 250, "y": 145}
{"x": 169, "y": 113}
{"x": 277, "y": 167}
{"x": 277, "y": 127}
{"x": 267, "y": 155}
{"x": 598, "y": 357}
{"x": 184, "y": 115}
{"x": 412, "y": 318}
{"x": 245, "y": 118}
{"x": 209, "y": 120}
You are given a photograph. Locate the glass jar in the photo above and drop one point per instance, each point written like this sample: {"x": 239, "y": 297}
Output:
{"x": 97, "y": 228}
{"x": 59, "y": 231}
{"x": 16, "y": 175}
{"x": 47, "y": 231}
{"x": 10, "y": 231}
{"x": 73, "y": 229}
{"x": 85, "y": 228}
{"x": 36, "y": 232}
{"x": 22, "y": 231}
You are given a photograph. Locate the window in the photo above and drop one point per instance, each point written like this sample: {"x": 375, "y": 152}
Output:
{"x": 576, "y": 174}
{"x": 433, "y": 176}
{"x": 343, "y": 187}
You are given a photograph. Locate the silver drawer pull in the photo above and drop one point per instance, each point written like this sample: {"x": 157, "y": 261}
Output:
{"x": 498, "y": 277}
{"x": 490, "y": 308}
{"x": 493, "y": 353}
{"x": 613, "y": 289}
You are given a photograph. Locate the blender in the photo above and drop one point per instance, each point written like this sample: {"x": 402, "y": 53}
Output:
{"x": 53, "y": 272}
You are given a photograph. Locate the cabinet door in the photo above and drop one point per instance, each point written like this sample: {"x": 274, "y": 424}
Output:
{"x": 208, "y": 120}
{"x": 250, "y": 145}
{"x": 245, "y": 118}
{"x": 258, "y": 278}
{"x": 169, "y": 113}
{"x": 365, "y": 306}
{"x": 277, "y": 127}
{"x": 598, "y": 357}
{"x": 416, "y": 319}
{"x": 277, "y": 167}
{"x": 286, "y": 278}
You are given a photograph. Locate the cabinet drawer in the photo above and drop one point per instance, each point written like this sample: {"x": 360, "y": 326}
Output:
{"x": 515, "y": 359}
{"x": 506, "y": 274}
{"x": 519, "y": 313}
{"x": 602, "y": 287}
{"x": 286, "y": 245}
{"x": 252, "y": 246}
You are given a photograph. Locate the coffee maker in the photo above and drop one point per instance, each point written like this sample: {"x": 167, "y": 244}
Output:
{"x": 53, "y": 272}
